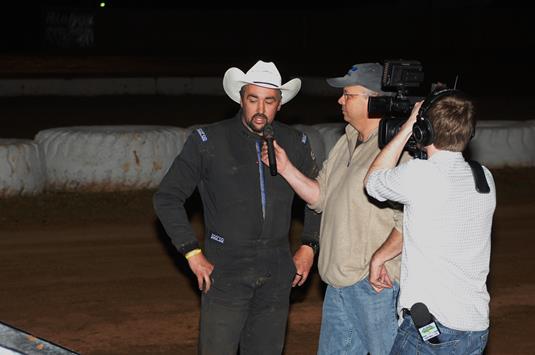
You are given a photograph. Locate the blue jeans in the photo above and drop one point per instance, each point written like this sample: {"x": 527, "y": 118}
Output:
{"x": 358, "y": 320}
{"x": 451, "y": 341}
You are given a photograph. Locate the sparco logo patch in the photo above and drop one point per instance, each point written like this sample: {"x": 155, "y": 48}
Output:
{"x": 217, "y": 238}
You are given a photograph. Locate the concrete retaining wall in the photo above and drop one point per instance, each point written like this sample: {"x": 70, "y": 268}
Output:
{"x": 112, "y": 158}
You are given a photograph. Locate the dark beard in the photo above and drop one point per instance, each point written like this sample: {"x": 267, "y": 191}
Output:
{"x": 250, "y": 123}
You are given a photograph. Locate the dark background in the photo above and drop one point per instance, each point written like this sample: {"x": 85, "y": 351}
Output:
{"x": 488, "y": 45}
{"x": 97, "y": 259}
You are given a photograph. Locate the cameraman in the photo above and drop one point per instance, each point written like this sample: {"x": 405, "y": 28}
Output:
{"x": 446, "y": 228}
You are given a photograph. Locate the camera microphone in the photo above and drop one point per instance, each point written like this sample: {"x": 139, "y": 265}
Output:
{"x": 269, "y": 136}
{"x": 423, "y": 320}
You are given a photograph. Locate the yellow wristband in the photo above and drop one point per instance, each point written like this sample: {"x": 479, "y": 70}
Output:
{"x": 193, "y": 252}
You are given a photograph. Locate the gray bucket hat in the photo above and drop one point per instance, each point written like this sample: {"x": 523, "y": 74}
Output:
{"x": 368, "y": 75}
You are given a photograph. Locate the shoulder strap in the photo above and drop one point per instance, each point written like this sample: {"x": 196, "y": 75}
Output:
{"x": 479, "y": 177}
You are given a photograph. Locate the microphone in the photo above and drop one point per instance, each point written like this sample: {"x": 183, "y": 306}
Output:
{"x": 423, "y": 320}
{"x": 268, "y": 136}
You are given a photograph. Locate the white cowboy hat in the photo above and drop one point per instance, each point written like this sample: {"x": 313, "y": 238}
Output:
{"x": 261, "y": 74}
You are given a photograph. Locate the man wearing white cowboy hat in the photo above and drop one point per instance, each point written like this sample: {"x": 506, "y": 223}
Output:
{"x": 245, "y": 268}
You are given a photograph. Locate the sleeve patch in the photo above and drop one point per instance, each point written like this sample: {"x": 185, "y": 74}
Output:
{"x": 201, "y": 133}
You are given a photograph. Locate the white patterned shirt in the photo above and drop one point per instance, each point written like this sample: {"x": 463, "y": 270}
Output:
{"x": 446, "y": 237}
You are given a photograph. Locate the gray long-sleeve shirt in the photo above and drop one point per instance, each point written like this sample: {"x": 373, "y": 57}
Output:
{"x": 242, "y": 202}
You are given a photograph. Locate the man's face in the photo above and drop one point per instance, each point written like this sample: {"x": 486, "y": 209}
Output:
{"x": 354, "y": 102}
{"x": 259, "y": 106}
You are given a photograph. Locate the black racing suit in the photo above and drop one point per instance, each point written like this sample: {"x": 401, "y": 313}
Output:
{"x": 247, "y": 215}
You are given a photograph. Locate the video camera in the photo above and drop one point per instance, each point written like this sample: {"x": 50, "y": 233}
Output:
{"x": 394, "y": 110}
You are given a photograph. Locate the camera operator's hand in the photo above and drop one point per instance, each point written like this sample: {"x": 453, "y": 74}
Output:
{"x": 412, "y": 118}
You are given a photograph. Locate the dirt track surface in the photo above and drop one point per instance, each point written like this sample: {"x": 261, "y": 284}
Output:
{"x": 96, "y": 274}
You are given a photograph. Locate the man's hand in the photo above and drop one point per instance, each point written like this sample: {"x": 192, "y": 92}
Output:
{"x": 202, "y": 268}
{"x": 412, "y": 118}
{"x": 280, "y": 155}
{"x": 388, "y": 157}
{"x": 303, "y": 260}
{"x": 308, "y": 189}
{"x": 379, "y": 278}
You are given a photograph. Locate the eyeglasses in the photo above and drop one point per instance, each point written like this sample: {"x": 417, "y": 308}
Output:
{"x": 347, "y": 95}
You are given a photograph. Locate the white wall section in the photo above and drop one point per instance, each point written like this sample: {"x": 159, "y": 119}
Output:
{"x": 108, "y": 158}
{"x": 21, "y": 168}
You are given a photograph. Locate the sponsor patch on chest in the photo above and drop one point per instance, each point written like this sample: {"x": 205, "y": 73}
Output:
{"x": 201, "y": 133}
